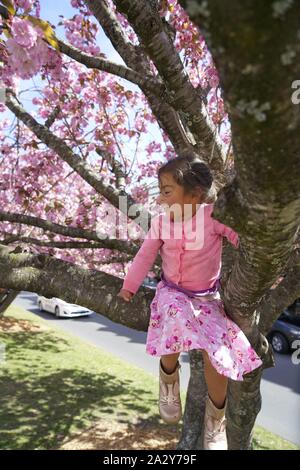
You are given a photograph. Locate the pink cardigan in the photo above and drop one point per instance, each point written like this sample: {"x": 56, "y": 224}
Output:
{"x": 191, "y": 251}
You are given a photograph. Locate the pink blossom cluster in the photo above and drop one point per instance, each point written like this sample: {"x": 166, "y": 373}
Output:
{"x": 82, "y": 32}
{"x": 81, "y": 6}
{"x": 26, "y": 5}
{"x": 27, "y": 51}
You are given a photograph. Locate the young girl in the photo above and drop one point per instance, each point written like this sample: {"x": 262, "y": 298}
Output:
{"x": 187, "y": 311}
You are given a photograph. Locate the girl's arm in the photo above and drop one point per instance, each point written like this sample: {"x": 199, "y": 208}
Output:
{"x": 227, "y": 232}
{"x": 144, "y": 259}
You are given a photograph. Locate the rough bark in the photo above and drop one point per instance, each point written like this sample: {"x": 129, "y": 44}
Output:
{"x": 7, "y": 296}
{"x": 192, "y": 430}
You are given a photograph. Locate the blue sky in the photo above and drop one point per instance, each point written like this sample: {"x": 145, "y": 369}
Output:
{"x": 51, "y": 9}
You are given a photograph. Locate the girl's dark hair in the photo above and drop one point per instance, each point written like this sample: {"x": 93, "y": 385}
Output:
{"x": 191, "y": 173}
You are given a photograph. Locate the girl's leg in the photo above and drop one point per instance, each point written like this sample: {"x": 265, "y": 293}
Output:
{"x": 216, "y": 383}
{"x": 169, "y": 362}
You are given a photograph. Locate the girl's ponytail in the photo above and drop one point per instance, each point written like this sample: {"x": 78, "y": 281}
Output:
{"x": 205, "y": 178}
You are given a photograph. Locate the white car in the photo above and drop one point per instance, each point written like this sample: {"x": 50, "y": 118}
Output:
{"x": 60, "y": 308}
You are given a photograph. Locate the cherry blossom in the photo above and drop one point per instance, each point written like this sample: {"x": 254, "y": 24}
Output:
{"x": 98, "y": 115}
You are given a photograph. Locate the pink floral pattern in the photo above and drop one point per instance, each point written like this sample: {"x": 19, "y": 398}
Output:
{"x": 179, "y": 323}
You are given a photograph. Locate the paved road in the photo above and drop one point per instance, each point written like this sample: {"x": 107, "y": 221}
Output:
{"x": 280, "y": 386}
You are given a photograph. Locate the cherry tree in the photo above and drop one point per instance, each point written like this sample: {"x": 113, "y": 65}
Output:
{"x": 211, "y": 79}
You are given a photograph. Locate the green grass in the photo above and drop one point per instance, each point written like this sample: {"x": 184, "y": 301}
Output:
{"x": 266, "y": 440}
{"x": 54, "y": 385}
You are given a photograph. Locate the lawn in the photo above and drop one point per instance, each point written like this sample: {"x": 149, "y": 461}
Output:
{"x": 60, "y": 392}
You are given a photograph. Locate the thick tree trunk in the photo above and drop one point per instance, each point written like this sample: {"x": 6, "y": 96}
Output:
{"x": 256, "y": 50}
{"x": 192, "y": 431}
{"x": 7, "y": 296}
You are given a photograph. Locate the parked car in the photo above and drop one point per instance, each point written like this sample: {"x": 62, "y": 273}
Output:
{"x": 286, "y": 330}
{"x": 61, "y": 309}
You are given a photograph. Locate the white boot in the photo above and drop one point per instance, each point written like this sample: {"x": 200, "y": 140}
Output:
{"x": 169, "y": 395}
{"x": 215, "y": 437}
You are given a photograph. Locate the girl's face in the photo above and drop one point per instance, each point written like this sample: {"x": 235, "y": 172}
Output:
{"x": 172, "y": 194}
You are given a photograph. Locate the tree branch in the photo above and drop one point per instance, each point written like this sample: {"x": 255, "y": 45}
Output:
{"x": 55, "y": 244}
{"x": 53, "y": 116}
{"x": 93, "y": 289}
{"x": 144, "y": 81}
{"x": 276, "y": 300}
{"x": 73, "y": 232}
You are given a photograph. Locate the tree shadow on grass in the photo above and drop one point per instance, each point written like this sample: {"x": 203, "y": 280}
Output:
{"x": 40, "y": 404}
{"x": 39, "y": 341}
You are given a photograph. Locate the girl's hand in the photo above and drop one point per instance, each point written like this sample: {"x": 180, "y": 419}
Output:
{"x": 125, "y": 295}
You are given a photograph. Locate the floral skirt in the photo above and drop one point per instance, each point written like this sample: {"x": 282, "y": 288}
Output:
{"x": 181, "y": 323}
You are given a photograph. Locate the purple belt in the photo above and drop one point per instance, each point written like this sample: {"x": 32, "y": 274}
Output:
{"x": 191, "y": 293}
